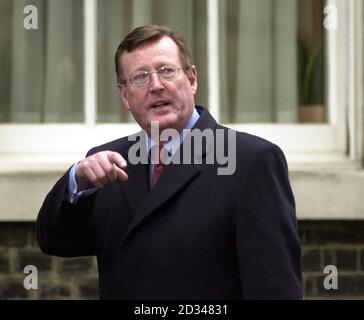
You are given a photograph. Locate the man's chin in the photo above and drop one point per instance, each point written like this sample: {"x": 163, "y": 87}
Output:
{"x": 163, "y": 123}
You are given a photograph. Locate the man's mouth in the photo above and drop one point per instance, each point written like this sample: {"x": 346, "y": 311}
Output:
{"x": 160, "y": 105}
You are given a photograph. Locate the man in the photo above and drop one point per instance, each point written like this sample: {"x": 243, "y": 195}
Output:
{"x": 194, "y": 233}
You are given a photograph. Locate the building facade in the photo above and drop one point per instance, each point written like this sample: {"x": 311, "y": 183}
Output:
{"x": 289, "y": 71}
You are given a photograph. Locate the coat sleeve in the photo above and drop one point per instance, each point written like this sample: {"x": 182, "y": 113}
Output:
{"x": 268, "y": 244}
{"x": 66, "y": 229}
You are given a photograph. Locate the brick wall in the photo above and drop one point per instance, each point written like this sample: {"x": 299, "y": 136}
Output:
{"x": 339, "y": 243}
{"x": 59, "y": 278}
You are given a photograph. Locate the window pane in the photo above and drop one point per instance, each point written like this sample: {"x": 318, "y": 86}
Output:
{"x": 272, "y": 61}
{"x": 116, "y": 18}
{"x": 42, "y": 69}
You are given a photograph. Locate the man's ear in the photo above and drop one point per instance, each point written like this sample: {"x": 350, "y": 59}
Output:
{"x": 123, "y": 90}
{"x": 192, "y": 77}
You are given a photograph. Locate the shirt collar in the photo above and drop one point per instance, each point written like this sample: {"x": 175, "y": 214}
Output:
{"x": 174, "y": 144}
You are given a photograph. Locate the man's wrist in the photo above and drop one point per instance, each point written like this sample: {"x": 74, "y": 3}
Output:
{"x": 76, "y": 191}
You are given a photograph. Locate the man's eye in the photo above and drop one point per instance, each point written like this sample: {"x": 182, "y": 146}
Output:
{"x": 140, "y": 76}
{"x": 166, "y": 70}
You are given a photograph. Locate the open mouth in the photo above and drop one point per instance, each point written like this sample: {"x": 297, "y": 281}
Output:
{"x": 160, "y": 105}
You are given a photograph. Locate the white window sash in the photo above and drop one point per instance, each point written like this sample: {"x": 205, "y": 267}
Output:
{"x": 90, "y": 58}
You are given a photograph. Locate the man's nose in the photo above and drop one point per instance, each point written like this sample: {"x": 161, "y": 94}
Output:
{"x": 155, "y": 83}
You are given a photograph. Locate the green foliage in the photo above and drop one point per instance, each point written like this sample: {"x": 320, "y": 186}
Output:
{"x": 311, "y": 74}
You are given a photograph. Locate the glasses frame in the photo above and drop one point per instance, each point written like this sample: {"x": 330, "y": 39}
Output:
{"x": 148, "y": 73}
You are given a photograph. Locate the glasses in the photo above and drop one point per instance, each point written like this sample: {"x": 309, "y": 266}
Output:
{"x": 143, "y": 78}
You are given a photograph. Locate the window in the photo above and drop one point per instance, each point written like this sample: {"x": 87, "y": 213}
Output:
{"x": 58, "y": 92}
{"x": 41, "y": 69}
{"x": 272, "y": 61}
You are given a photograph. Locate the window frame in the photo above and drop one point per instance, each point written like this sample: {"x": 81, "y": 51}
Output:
{"x": 334, "y": 145}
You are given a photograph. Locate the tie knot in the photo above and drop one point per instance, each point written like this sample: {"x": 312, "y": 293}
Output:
{"x": 158, "y": 154}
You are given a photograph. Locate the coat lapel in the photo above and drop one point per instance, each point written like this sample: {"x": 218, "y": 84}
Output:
{"x": 175, "y": 176}
{"x": 173, "y": 179}
{"x": 137, "y": 186}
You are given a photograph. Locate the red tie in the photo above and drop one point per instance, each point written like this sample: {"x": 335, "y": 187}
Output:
{"x": 158, "y": 167}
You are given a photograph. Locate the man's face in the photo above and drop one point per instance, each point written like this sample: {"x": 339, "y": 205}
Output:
{"x": 176, "y": 96}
